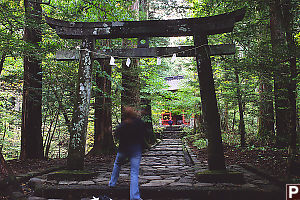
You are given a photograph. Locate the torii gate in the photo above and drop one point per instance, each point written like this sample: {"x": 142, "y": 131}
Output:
{"x": 199, "y": 28}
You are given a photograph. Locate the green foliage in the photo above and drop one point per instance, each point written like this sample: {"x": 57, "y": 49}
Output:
{"x": 10, "y": 108}
{"x": 158, "y": 130}
{"x": 200, "y": 143}
{"x": 197, "y": 139}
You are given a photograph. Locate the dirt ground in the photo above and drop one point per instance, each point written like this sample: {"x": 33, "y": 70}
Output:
{"x": 269, "y": 160}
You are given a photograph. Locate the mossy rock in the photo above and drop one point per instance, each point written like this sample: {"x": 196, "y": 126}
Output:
{"x": 219, "y": 176}
{"x": 71, "y": 175}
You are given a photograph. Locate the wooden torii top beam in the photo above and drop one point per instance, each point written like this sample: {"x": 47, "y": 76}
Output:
{"x": 151, "y": 28}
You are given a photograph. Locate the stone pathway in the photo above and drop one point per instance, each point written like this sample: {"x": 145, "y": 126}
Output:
{"x": 165, "y": 173}
{"x": 161, "y": 166}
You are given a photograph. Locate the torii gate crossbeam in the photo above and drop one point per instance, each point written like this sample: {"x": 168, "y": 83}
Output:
{"x": 180, "y": 51}
{"x": 150, "y": 28}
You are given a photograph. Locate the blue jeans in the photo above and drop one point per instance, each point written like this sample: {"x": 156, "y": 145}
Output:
{"x": 134, "y": 155}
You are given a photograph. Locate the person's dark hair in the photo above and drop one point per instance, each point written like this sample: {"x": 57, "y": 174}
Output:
{"x": 129, "y": 112}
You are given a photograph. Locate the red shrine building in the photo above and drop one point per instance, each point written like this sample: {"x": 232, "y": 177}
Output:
{"x": 176, "y": 119}
{"x": 174, "y": 83}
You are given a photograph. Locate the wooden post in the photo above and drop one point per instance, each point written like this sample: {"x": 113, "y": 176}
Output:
{"x": 81, "y": 108}
{"x": 211, "y": 115}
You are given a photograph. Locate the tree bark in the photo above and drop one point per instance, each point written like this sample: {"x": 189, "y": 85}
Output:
{"x": 293, "y": 167}
{"x": 103, "y": 139}
{"x": 144, "y": 9}
{"x": 226, "y": 128}
{"x": 281, "y": 75}
{"x": 130, "y": 96}
{"x": 50, "y": 136}
{"x": 241, "y": 110}
{"x": 2, "y": 62}
{"x": 79, "y": 122}
{"x": 233, "y": 122}
{"x": 147, "y": 118}
{"x": 31, "y": 132}
{"x": 266, "y": 109}
{"x": 211, "y": 115}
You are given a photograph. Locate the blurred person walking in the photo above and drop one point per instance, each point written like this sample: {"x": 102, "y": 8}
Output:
{"x": 131, "y": 134}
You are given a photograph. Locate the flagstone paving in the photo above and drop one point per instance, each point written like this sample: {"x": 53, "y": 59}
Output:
{"x": 165, "y": 173}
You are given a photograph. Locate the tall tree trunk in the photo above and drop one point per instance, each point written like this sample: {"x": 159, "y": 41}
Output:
{"x": 241, "y": 110}
{"x": 50, "y": 136}
{"x": 210, "y": 112}
{"x": 31, "y": 132}
{"x": 293, "y": 167}
{"x": 130, "y": 96}
{"x": 3, "y": 56}
{"x": 281, "y": 75}
{"x": 147, "y": 118}
{"x": 233, "y": 121}
{"x": 79, "y": 123}
{"x": 225, "y": 120}
{"x": 103, "y": 139}
{"x": 266, "y": 109}
{"x": 144, "y": 9}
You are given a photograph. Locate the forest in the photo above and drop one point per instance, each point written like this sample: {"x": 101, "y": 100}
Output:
{"x": 60, "y": 106}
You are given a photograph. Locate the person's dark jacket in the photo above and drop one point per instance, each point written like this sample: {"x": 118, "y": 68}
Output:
{"x": 131, "y": 133}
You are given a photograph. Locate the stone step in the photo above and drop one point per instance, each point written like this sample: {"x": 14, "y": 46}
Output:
{"x": 166, "y": 149}
{"x": 171, "y": 131}
{"x": 173, "y": 128}
{"x": 170, "y": 144}
{"x": 175, "y": 191}
{"x": 163, "y": 154}
{"x": 172, "y": 139}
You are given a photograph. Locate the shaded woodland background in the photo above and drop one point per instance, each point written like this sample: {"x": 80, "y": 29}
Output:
{"x": 257, "y": 89}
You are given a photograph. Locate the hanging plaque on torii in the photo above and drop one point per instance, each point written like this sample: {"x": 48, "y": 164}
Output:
{"x": 199, "y": 28}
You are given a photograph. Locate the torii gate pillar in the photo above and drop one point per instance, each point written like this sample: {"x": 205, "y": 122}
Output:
{"x": 210, "y": 112}
{"x": 81, "y": 108}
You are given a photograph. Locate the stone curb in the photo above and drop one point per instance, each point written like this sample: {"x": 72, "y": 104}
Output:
{"x": 26, "y": 177}
{"x": 174, "y": 192}
{"x": 191, "y": 154}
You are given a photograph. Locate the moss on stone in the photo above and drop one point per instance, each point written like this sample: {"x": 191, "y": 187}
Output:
{"x": 217, "y": 172}
{"x": 219, "y": 176}
{"x": 72, "y": 172}
{"x": 78, "y": 175}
